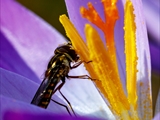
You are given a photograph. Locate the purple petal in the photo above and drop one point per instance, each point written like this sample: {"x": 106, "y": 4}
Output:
{"x": 144, "y": 64}
{"x": 19, "y": 88}
{"x": 30, "y": 36}
{"x": 21, "y": 114}
{"x": 13, "y": 104}
{"x": 155, "y": 57}
{"x": 151, "y": 11}
{"x": 157, "y": 117}
{"x": 16, "y": 86}
{"x": 10, "y": 60}
{"x": 11, "y": 108}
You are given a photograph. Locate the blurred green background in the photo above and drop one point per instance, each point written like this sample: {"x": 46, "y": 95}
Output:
{"x": 50, "y": 10}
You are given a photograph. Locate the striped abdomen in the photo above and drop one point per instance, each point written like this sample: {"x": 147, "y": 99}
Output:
{"x": 57, "y": 70}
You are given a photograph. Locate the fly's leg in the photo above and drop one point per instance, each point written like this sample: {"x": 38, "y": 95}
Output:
{"x": 81, "y": 77}
{"x": 63, "y": 106}
{"x": 79, "y": 63}
{"x": 58, "y": 88}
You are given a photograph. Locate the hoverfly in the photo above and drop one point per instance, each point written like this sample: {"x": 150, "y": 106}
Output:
{"x": 57, "y": 69}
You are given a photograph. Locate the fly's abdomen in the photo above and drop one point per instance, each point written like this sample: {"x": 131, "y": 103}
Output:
{"x": 46, "y": 95}
{"x": 57, "y": 70}
{"x": 44, "y": 92}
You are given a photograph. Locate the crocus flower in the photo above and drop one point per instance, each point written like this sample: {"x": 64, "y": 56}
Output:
{"x": 143, "y": 78}
{"x": 24, "y": 37}
{"x": 27, "y": 44}
{"x": 93, "y": 17}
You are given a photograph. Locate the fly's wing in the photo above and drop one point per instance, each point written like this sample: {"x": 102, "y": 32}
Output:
{"x": 39, "y": 94}
{"x": 48, "y": 84}
{"x": 44, "y": 92}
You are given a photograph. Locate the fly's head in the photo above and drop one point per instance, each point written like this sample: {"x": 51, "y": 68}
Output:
{"x": 68, "y": 50}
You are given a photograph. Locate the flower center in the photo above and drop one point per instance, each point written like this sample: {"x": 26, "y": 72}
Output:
{"x": 104, "y": 65}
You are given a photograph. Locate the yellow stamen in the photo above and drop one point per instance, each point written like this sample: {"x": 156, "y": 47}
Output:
{"x": 104, "y": 69}
{"x": 131, "y": 54}
{"x": 130, "y": 51}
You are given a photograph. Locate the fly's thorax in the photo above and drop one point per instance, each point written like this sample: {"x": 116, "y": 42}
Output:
{"x": 58, "y": 68}
{"x": 65, "y": 66}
